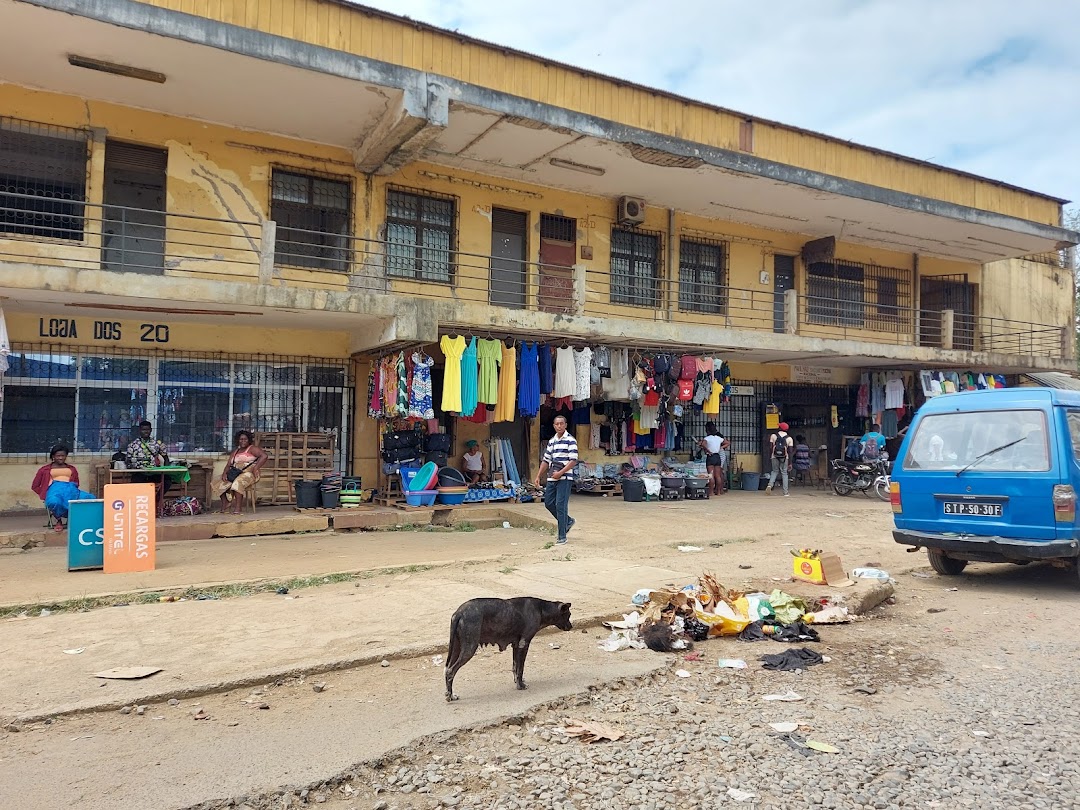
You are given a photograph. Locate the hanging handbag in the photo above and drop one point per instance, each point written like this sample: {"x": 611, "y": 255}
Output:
{"x": 234, "y": 472}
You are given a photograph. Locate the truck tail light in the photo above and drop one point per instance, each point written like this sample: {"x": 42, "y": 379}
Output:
{"x": 894, "y": 497}
{"x": 1064, "y": 503}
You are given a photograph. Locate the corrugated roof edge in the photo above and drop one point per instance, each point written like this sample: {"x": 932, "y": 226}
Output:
{"x": 374, "y": 12}
{"x": 1056, "y": 379}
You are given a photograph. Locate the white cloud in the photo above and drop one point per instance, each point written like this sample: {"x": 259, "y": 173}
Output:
{"x": 986, "y": 86}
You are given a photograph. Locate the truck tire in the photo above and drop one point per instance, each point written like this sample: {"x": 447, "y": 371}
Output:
{"x": 946, "y": 566}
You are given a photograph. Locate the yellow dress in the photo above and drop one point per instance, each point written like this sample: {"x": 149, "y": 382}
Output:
{"x": 504, "y": 406}
{"x": 712, "y": 404}
{"x": 452, "y": 349}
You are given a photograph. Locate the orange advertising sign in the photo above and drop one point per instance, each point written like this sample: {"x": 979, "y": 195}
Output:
{"x": 130, "y": 527}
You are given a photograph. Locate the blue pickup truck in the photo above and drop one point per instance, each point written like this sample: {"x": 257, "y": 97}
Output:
{"x": 991, "y": 476}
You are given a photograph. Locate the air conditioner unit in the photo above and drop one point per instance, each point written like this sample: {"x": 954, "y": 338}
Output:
{"x": 631, "y": 211}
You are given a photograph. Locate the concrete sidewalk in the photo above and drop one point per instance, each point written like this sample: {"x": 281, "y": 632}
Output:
{"x": 204, "y": 646}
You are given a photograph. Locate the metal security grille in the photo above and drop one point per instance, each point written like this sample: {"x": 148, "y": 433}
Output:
{"x": 312, "y": 213}
{"x": 561, "y": 229}
{"x": 420, "y": 235}
{"x": 42, "y": 179}
{"x": 863, "y": 296}
{"x": 702, "y": 276}
{"x": 92, "y": 400}
{"x": 635, "y": 262}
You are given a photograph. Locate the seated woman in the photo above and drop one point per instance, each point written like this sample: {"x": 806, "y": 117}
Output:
{"x": 473, "y": 463}
{"x": 240, "y": 474}
{"x": 57, "y": 484}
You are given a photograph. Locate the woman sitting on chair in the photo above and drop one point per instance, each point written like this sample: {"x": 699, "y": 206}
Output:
{"x": 57, "y": 484}
{"x": 240, "y": 473}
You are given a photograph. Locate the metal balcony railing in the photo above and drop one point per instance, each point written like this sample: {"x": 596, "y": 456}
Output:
{"x": 39, "y": 230}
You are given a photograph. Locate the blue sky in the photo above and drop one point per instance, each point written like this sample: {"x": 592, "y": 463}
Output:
{"x": 987, "y": 86}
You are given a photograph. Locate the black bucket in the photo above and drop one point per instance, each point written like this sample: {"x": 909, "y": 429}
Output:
{"x": 633, "y": 490}
{"x": 307, "y": 494}
{"x": 331, "y": 499}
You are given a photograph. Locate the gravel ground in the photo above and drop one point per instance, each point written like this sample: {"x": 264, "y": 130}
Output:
{"x": 923, "y": 715}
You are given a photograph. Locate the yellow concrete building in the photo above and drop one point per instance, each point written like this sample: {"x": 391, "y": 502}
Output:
{"x": 216, "y": 214}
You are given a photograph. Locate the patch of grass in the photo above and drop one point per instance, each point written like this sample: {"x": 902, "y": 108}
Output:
{"x": 508, "y": 570}
{"x": 463, "y": 527}
{"x": 232, "y": 591}
{"x": 549, "y": 544}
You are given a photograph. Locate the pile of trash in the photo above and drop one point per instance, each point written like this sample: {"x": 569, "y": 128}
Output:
{"x": 672, "y": 620}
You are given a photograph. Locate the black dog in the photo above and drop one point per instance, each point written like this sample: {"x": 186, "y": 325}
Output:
{"x": 501, "y": 622}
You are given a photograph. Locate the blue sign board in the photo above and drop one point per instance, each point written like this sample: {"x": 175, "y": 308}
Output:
{"x": 86, "y": 535}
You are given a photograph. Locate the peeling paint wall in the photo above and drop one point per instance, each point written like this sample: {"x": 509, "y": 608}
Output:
{"x": 353, "y": 30}
{"x": 1019, "y": 289}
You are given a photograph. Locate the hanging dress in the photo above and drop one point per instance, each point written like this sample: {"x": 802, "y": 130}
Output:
{"x": 617, "y": 386}
{"x": 470, "y": 373}
{"x": 389, "y": 380}
{"x": 452, "y": 349}
{"x": 402, "y": 386}
{"x": 529, "y": 381}
{"x": 504, "y": 407}
{"x": 565, "y": 373}
{"x": 547, "y": 376}
{"x": 489, "y": 353}
{"x": 583, "y": 374}
{"x": 420, "y": 404}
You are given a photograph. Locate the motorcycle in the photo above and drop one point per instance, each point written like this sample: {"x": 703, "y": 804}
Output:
{"x": 861, "y": 476}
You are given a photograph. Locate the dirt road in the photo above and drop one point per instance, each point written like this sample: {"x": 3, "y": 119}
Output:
{"x": 929, "y": 701}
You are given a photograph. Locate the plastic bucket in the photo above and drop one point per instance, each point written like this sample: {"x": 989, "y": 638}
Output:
{"x": 351, "y": 483}
{"x": 331, "y": 499}
{"x": 633, "y": 490}
{"x": 307, "y": 494}
{"x": 750, "y": 481}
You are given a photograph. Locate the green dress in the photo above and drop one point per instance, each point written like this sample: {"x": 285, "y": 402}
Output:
{"x": 489, "y": 352}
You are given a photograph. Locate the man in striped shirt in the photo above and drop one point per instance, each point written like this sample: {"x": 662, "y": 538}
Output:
{"x": 561, "y": 456}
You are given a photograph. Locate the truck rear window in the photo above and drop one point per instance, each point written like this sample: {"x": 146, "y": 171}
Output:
{"x": 1005, "y": 441}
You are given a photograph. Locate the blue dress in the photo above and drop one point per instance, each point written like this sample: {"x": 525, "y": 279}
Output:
{"x": 60, "y": 494}
{"x": 547, "y": 378}
{"x": 529, "y": 381}
{"x": 469, "y": 373}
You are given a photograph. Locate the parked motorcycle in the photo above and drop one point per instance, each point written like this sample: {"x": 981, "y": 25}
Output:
{"x": 861, "y": 476}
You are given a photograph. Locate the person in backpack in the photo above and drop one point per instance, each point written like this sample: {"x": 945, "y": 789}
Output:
{"x": 873, "y": 442}
{"x": 781, "y": 448}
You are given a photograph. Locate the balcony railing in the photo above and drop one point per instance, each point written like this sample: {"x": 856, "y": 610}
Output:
{"x": 123, "y": 239}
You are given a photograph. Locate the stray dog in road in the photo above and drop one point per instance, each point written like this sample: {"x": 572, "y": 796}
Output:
{"x": 500, "y": 622}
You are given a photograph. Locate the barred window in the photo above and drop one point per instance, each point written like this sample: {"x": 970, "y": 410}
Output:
{"x": 835, "y": 294}
{"x": 42, "y": 179}
{"x": 702, "y": 276}
{"x": 94, "y": 402}
{"x": 313, "y": 220}
{"x": 420, "y": 236}
{"x": 635, "y": 263}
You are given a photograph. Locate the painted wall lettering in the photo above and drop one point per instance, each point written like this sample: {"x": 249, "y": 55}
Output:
{"x": 154, "y": 333}
{"x": 57, "y": 328}
{"x": 107, "y": 330}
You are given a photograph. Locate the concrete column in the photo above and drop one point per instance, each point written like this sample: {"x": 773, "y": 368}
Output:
{"x": 1068, "y": 343}
{"x": 266, "y": 251}
{"x": 791, "y": 312}
{"x": 580, "y": 271}
{"x": 948, "y": 321}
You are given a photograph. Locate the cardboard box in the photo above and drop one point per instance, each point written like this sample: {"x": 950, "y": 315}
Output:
{"x": 825, "y": 570}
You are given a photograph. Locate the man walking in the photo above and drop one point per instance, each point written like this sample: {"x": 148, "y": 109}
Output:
{"x": 561, "y": 456}
{"x": 780, "y": 448}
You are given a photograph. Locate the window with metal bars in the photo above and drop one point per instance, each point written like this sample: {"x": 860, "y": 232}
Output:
{"x": 703, "y": 276}
{"x": 313, "y": 215}
{"x": 93, "y": 401}
{"x": 420, "y": 235}
{"x": 561, "y": 229}
{"x": 42, "y": 179}
{"x": 850, "y": 294}
{"x": 635, "y": 265}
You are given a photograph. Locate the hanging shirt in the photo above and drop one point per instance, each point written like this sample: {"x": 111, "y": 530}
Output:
{"x": 894, "y": 392}
{"x": 452, "y": 349}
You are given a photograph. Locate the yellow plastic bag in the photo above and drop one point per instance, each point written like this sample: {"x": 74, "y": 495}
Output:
{"x": 722, "y": 624}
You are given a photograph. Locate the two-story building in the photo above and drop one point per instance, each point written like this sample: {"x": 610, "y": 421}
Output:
{"x": 219, "y": 214}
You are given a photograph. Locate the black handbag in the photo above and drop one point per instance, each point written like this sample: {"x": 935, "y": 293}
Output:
{"x": 398, "y": 439}
{"x": 234, "y": 472}
{"x": 437, "y": 442}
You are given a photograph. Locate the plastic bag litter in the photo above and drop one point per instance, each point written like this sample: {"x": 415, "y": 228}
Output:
{"x": 630, "y": 621}
{"x": 622, "y": 640}
{"x": 871, "y": 573}
{"x": 652, "y": 484}
{"x": 725, "y": 622}
{"x": 787, "y": 697}
{"x": 830, "y": 615}
{"x": 755, "y": 606}
{"x": 740, "y": 795}
{"x": 731, "y": 663}
{"x": 689, "y": 549}
{"x": 641, "y": 598}
{"x": 786, "y": 607}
